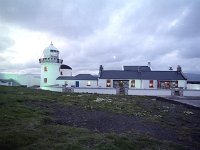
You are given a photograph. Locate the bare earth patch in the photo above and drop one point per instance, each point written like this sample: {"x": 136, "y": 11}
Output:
{"x": 107, "y": 122}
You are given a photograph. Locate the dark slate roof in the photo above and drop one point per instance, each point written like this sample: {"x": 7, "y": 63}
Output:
{"x": 65, "y": 78}
{"x": 136, "y": 68}
{"x": 192, "y": 77}
{"x": 65, "y": 67}
{"x": 148, "y": 75}
{"x": 78, "y": 77}
{"x": 85, "y": 77}
{"x": 5, "y": 80}
{"x": 14, "y": 83}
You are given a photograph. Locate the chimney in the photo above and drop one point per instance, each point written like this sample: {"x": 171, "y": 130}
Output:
{"x": 139, "y": 69}
{"x": 179, "y": 68}
{"x": 149, "y": 64}
{"x": 100, "y": 70}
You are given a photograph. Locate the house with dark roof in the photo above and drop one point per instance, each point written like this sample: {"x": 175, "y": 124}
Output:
{"x": 193, "y": 81}
{"x": 141, "y": 77}
{"x": 80, "y": 80}
{"x": 131, "y": 80}
{"x": 128, "y": 80}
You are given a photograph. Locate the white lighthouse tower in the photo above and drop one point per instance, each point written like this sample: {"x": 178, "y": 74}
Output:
{"x": 50, "y": 67}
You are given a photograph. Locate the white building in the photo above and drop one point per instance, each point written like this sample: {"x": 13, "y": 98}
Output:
{"x": 28, "y": 80}
{"x": 55, "y": 75}
{"x": 131, "y": 80}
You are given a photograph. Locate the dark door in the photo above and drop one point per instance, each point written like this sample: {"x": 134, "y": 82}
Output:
{"x": 77, "y": 83}
{"x": 121, "y": 85}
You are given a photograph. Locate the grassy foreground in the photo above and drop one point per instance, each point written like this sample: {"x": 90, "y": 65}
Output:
{"x": 25, "y": 127}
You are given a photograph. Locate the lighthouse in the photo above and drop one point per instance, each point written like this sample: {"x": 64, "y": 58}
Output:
{"x": 50, "y": 67}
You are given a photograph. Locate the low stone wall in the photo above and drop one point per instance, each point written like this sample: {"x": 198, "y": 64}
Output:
{"x": 150, "y": 92}
{"x": 96, "y": 90}
{"x": 191, "y": 93}
{"x": 193, "y": 86}
{"x": 55, "y": 89}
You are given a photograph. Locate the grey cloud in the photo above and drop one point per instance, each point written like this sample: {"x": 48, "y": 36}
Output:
{"x": 188, "y": 24}
{"x": 134, "y": 31}
{"x": 70, "y": 18}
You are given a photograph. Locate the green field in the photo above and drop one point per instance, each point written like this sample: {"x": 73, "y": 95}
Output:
{"x": 36, "y": 119}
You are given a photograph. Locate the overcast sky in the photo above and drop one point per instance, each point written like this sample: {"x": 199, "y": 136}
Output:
{"x": 93, "y": 32}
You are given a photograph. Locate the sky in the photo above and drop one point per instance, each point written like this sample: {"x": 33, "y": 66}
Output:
{"x": 89, "y": 33}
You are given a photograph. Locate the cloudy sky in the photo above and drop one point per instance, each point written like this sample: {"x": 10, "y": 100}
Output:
{"x": 93, "y": 32}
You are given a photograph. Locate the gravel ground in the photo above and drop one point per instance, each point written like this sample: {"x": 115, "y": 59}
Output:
{"x": 193, "y": 101}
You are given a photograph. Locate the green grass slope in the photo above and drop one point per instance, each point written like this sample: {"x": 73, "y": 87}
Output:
{"x": 24, "y": 126}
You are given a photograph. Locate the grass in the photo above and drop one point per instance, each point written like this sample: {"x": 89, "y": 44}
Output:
{"x": 24, "y": 127}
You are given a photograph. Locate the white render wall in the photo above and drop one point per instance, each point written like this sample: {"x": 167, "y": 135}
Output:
{"x": 149, "y": 92}
{"x": 70, "y": 83}
{"x": 82, "y": 83}
{"x": 182, "y": 83}
{"x": 102, "y": 83}
{"x": 191, "y": 92}
{"x": 193, "y": 86}
{"x": 55, "y": 89}
{"x": 138, "y": 84}
{"x": 66, "y": 72}
{"x": 145, "y": 84}
{"x": 96, "y": 90}
{"x": 51, "y": 74}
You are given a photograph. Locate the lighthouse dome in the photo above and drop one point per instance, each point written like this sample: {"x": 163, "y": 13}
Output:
{"x": 51, "y": 52}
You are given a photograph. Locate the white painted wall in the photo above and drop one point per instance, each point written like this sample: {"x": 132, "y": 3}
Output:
{"x": 191, "y": 92}
{"x": 84, "y": 83}
{"x": 55, "y": 89}
{"x": 96, "y": 90}
{"x": 70, "y": 83}
{"x": 66, "y": 72}
{"x": 145, "y": 84}
{"x": 51, "y": 74}
{"x": 193, "y": 86}
{"x": 182, "y": 83}
{"x": 102, "y": 83}
{"x": 138, "y": 84}
{"x": 149, "y": 92}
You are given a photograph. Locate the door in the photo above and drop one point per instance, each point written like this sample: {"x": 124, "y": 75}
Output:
{"x": 122, "y": 86}
{"x": 77, "y": 83}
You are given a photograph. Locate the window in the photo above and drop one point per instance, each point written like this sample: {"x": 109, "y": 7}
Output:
{"x": 45, "y": 68}
{"x": 133, "y": 83}
{"x": 45, "y": 80}
{"x": 61, "y": 73}
{"x": 150, "y": 83}
{"x": 108, "y": 83}
{"x": 174, "y": 84}
{"x": 88, "y": 83}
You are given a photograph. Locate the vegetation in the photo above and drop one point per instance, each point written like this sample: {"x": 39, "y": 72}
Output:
{"x": 28, "y": 121}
